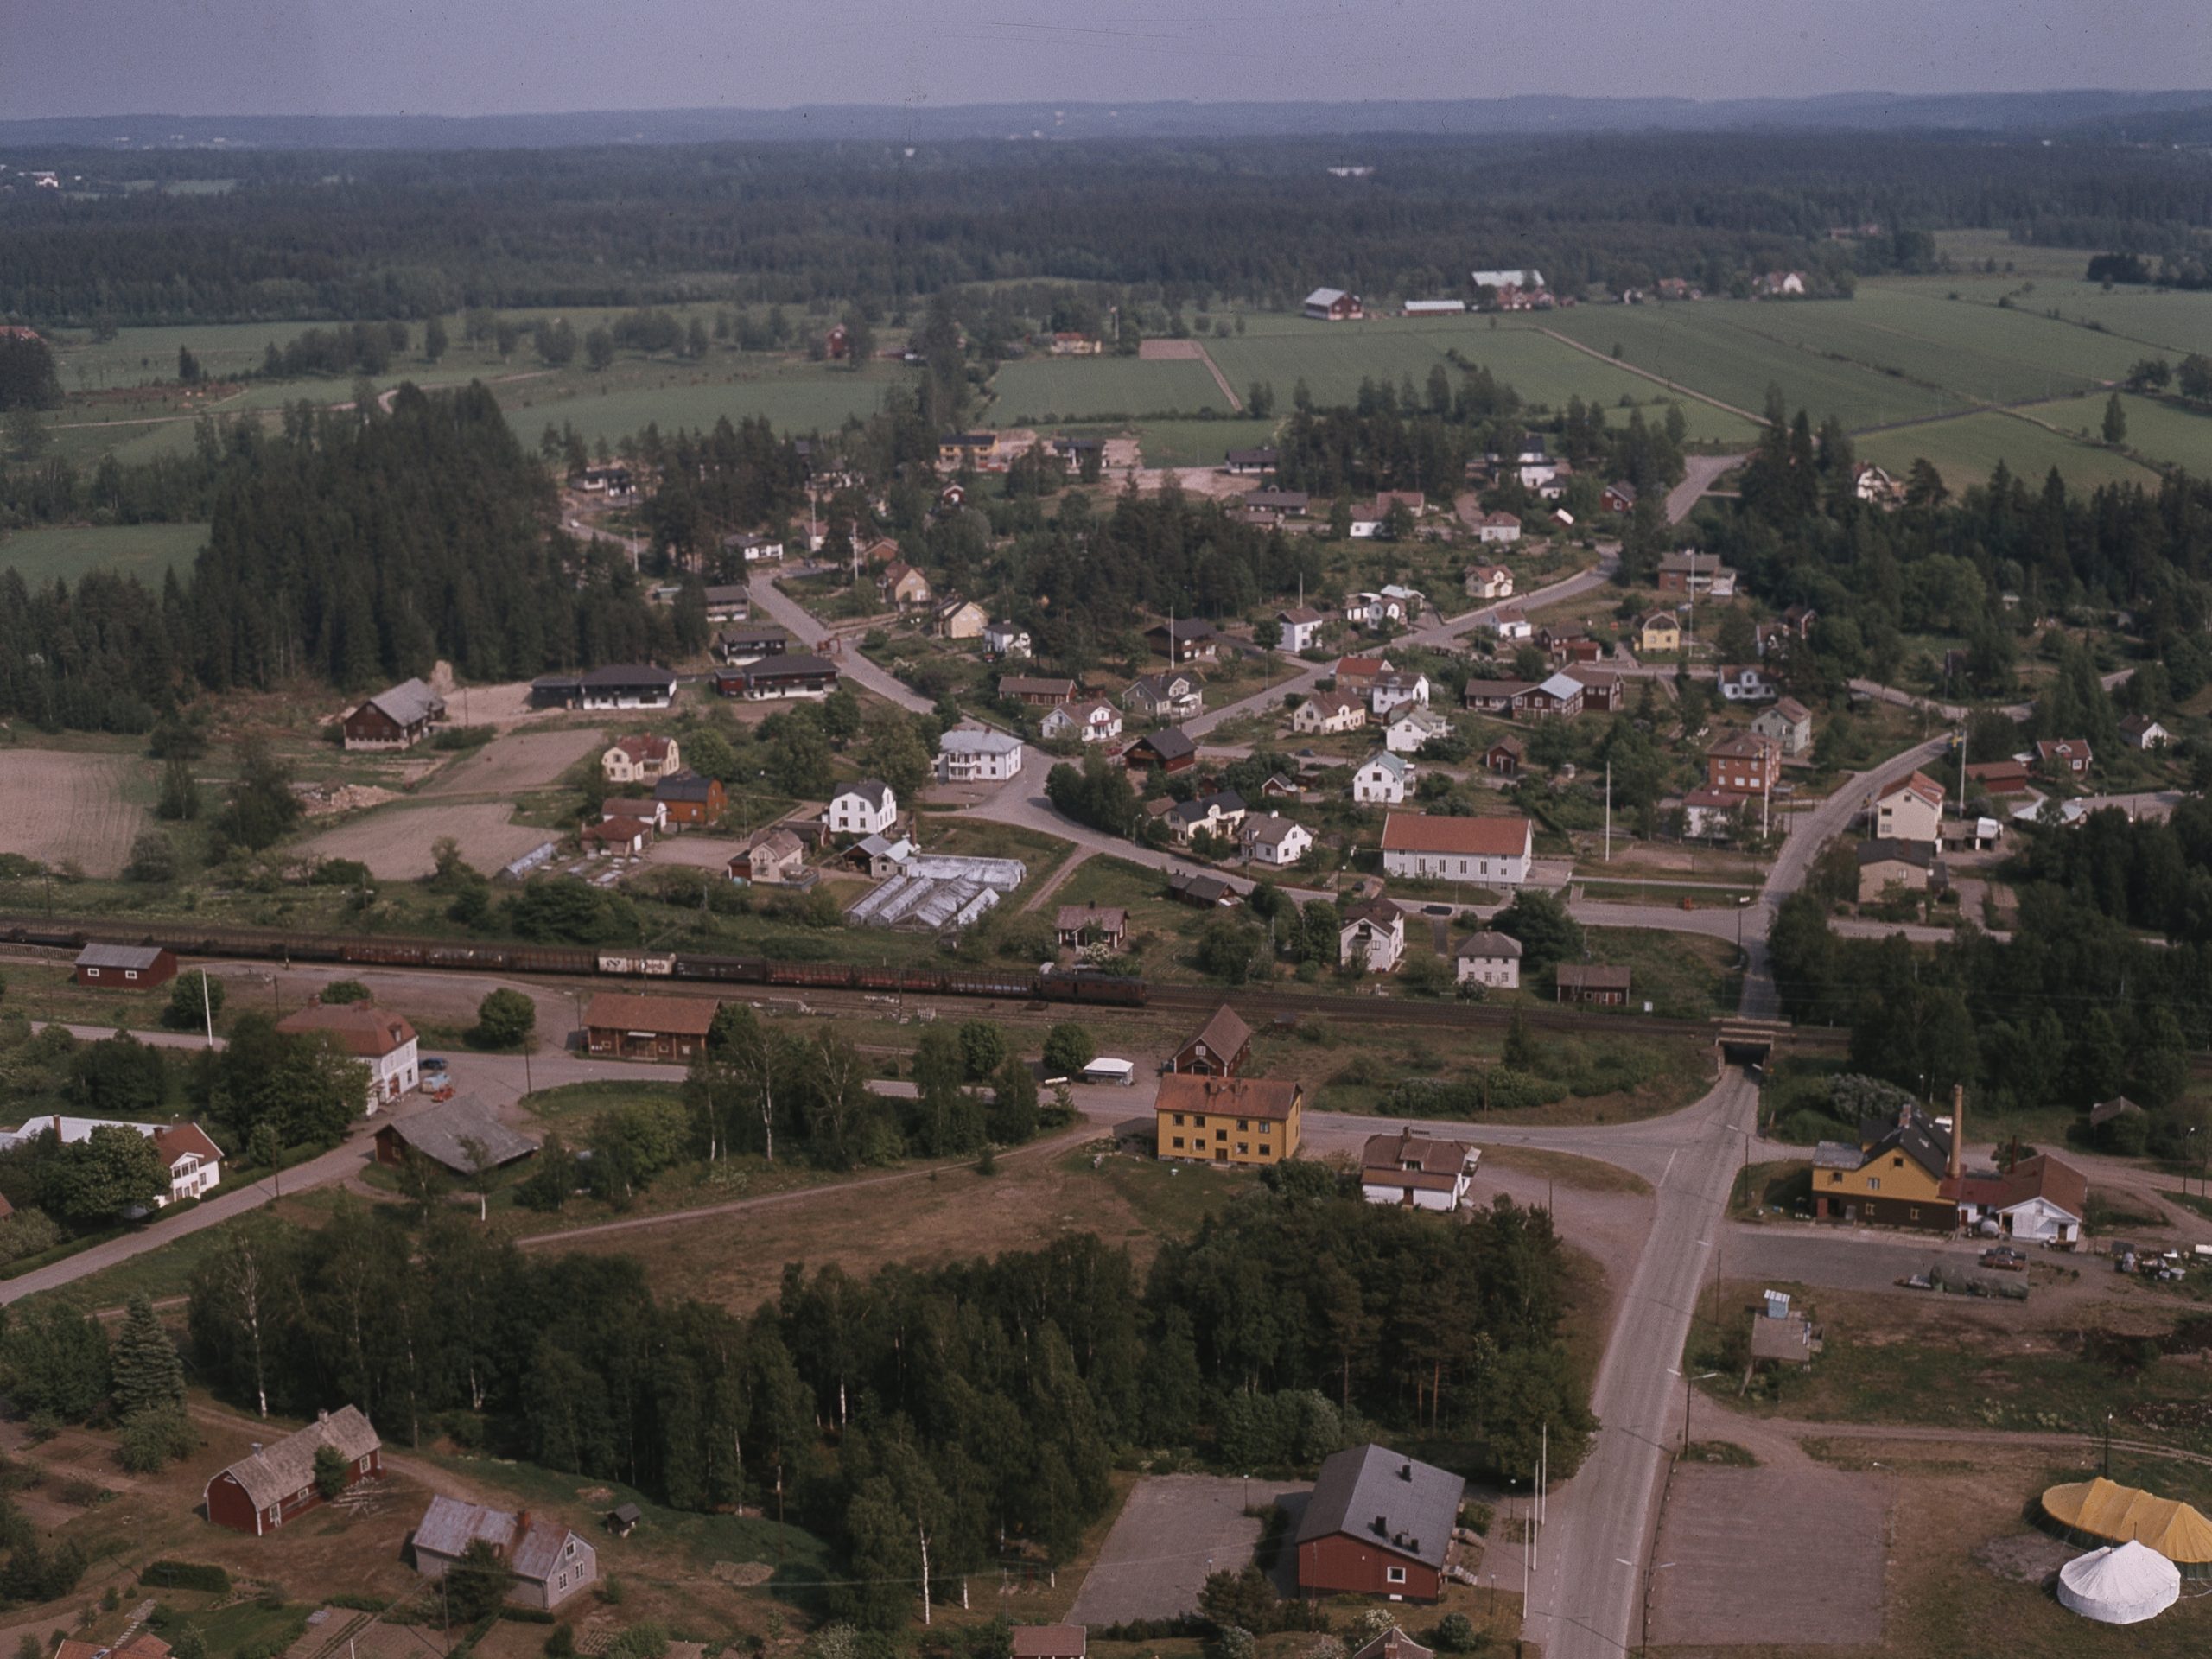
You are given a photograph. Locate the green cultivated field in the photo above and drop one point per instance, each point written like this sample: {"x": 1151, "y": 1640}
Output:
{"x": 143, "y": 550}
{"x": 1733, "y": 350}
{"x": 1198, "y": 443}
{"x": 796, "y": 397}
{"x": 1966, "y": 450}
{"x": 1333, "y": 358}
{"x": 2160, "y": 431}
{"x": 1047, "y": 389}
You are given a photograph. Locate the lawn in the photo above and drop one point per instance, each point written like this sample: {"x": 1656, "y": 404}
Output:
{"x": 1199, "y": 443}
{"x": 1966, "y": 450}
{"x": 1681, "y": 975}
{"x": 146, "y": 551}
{"x": 795, "y": 396}
{"x": 1049, "y": 390}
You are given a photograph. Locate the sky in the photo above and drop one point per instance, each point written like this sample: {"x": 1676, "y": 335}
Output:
{"x": 468, "y": 57}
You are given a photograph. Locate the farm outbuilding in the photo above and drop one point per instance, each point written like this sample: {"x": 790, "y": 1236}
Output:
{"x": 259, "y": 1493}
{"x": 452, "y": 1136}
{"x": 622, "y": 1026}
{"x": 125, "y": 967}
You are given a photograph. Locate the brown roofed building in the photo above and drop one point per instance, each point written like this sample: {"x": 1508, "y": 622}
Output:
{"x": 1252, "y": 1121}
{"x": 1416, "y": 1171}
{"x": 382, "y": 1041}
{"x": 125, "y": 967}
{"x": 1037, "y": 693}
{"x": 1219, "y": 1050}
{"x": 547, "y": 1561}
{"x": 623, "y": 1026}
{"x": 1081, "y": 925}
{"x": 1580, "y": 981}
{"x": 277, "y": 1484}
{"x": 1050, "y": 1642}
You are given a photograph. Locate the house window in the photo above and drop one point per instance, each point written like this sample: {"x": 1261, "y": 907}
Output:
{"x": 131, "y": 973}
{"x": 1394, "y": 1575}
{"x": 1221, "y": 1135}
{"x": 1178, "y": 1120}
{"x": 1896, "y": 1163}
{"x": 1873, "y": 1183}
{"x": 1243, "y": 1150}
{"x": 1198, "y": 1121}
{"x": 1244, "y": 1123}
{"x": 1177, "y": 1143}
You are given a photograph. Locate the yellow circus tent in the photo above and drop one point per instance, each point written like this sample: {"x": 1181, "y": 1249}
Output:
{"x": 2100, "y": 1511}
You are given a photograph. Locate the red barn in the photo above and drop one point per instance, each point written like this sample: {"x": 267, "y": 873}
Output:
{"x": 125, "y": 967}
{"x": 260, "y": 1493}
{"x": 1378, "y": 1524}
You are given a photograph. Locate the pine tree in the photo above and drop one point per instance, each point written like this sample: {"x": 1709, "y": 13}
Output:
{"x": 2115, "y": 421}
{"x": 147, "y": 1374}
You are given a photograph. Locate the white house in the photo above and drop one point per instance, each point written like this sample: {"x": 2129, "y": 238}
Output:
{"x": 1910, "y": 809}
{"x": 1409, "y": 601}
{"x": 2038, "y": 1198}
{"x": 1006, "y": 640}
{"x": 1413, "y": 725}
{"x": 866, "y": 808}
{"x": 965, "y": 756}
{"x": 1490, "y": 582}
{"x": 1746, "y": 682}
{"x": 640, "y": 760}
{"x": 382, "y": 1041}
{"x": 1329, "y": 711}
{"x": 1788, "y": 722}
{"x": 1301, "y": 626}
{"x": 1094, "y": 721}
{"x": 1275, "y": 839}
{"x": 1373, "y": 936}
{"x": 191, "y": 1163}
{"x": 1510, "y": 622}
{"x": 1367, "y": 610}
{"x": 1499, "y": 529}
{"x": 1490, "y": 959}
{"x": 1381, "y": 779}
{"x": 1173, "y": 695}
{"x": 1392, "y": 690}
{"x": 1418, "y": 1173}
{"x": 1365, "y": 526}
{"x": 1494, "y": 851}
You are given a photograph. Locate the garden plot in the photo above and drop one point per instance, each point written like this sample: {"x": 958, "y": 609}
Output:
{"x": 69, "y": 807}
{"x": 395, "y": 842}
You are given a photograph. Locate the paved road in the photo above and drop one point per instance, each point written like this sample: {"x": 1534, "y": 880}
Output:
{"x": 800, "y": 622}
{"x": 1591, "y": 1560}
{"x": 1698, "y": 473}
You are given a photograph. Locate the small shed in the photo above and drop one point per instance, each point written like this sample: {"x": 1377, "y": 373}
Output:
{"x": 125, "y": 967}
{"x": 622, "y": 1520}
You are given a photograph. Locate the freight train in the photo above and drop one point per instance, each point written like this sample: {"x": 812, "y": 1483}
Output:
{"x": 186, "y": 940}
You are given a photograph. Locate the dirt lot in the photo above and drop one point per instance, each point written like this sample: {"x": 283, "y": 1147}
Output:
{"x": 697, "y": 851}
{"x": 1175, "y": 1530}
{"x": 62, "y": 805}
{"x": 517, "y": 761}
{"x": 1769, "y": 1556}
{"x": 395, "y": 842}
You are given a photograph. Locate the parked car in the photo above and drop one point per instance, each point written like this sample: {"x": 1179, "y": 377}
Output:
{"x": 2005, "y": 1257}
{"x": 434, "y": 1065}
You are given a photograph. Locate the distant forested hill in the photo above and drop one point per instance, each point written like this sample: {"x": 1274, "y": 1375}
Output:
{"x": 390, "y": 234}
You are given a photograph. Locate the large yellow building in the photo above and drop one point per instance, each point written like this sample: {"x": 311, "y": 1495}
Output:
{"x": 1227, "y": 1120}
{"x": 1895, "y": 1176}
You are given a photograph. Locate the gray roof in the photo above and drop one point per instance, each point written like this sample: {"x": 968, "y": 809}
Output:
{"x": 278, "y": 1472}
{"x": 1372, "y": 1493}
{"x": 438, "y": 1134}
{"x": 967, "y": 742}
{"x": 873, "y": 790}
{"x": 1169, "y": 743}
{"x": 449, "y": 1526}
{"x": 411, "y": 702}
{"x": 119, "y": 955}
{"x": 1501, "y": 946}
{"x": 1837, "y": 1154}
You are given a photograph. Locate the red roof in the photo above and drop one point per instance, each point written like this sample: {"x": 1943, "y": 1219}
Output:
{"x": 2039, "y": 1176}
{"x": 1918, "y": 783}
{"x": 185, "y": 1141}
{"x": 643, "y": 748}
{"x": 1186, "y": 1091}
{"x": 1416, "y": 832}
{"x": 1370, "y": 667}
{"x": 360, "y": 1028}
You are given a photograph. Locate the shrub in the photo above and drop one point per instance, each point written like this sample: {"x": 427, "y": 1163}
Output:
{"x": 504, "y": 1019}
{"x": 341, "y": 991}
{"x": 186, "y": 1575}
{"x": 186, "y": 1011}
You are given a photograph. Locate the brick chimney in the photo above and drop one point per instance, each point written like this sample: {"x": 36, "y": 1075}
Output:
{"x": 1958, "y": 1126}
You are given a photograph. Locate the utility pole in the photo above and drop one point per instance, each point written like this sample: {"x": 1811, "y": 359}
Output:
{"x": 1609, "y": 808}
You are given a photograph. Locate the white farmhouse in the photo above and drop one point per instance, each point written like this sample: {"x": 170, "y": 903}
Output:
{"x": 1490, "y": 959}
{"x": 381, "y": 1040}
{"x": 1416, "y": 1171}
{"x": 1094, "y": 721}
{"x": 1393, "y": 689}
{"x": 1275, "y": 839}
{"x": 966, "y": 756}
{"x": 1381, "y": 779}
{"x": 1412, "y": 726}
{"x": 866, "y": 808}
{"x": 1373, "y": 936}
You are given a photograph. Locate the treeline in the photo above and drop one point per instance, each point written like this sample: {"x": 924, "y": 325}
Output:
{"x": 948, "y": 1411}
{"x": 2073, "y": 1009}
{"x": 1986, "y": 566}
{"x": 1248, "y": 219}
{"x": 355, "y": 547}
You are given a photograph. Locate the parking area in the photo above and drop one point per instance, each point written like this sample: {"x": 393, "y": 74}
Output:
{"x": 1173, "y": 1531}
{"x": 1787, "y": 1557}
{"x": 1848, "y": 1258}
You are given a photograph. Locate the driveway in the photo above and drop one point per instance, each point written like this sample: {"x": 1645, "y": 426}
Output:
{"x": 1172, "y": 1532}
{"x": 800, "y": 622}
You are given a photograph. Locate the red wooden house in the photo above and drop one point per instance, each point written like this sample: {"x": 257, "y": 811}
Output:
{"x": 259, "y": 1493}
{"x": 125, "y": 967}
{"x": 1378, "y": 1524}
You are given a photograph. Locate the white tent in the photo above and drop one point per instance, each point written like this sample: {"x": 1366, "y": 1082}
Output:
{"x": 2119, "y": 1585}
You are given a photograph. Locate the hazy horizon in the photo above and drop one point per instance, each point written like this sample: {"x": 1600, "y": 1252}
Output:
{"x": 245, "y": 58}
